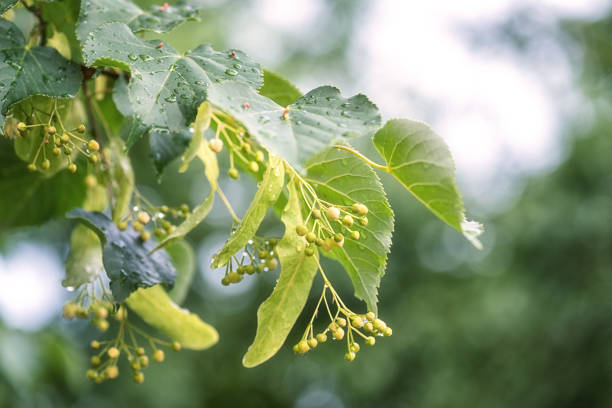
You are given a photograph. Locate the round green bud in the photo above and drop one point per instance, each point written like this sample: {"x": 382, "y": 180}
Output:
{"x": 91, "y": 181}
{"x": 319, "y": 242}
{"x": 56, "y": 151}
{"x": 347, "y": 220}
{"x": 357, "y": 322}
{"x": 271, "y": 264}
{"x": 359, "y": 209}
{"x": 21, "y": 126}
{"x": 241, "y": 270}
{"x": 363, "y": 221}
{"x": 309, "y": 251}
{"x": 253, "y": 166}
{"x": 143, "y": 217}
{"x": 311, "y": 237}
{"x": 249, "y": 269}
{"x": 176, "y": 346}
{"x": 69, "y": 310}
{"x": 338, "y": 237}
{"x": 51, "y": 130}
{"x": 225, "y": 281}
{"x": 370, "y": 316}
{"x": 333, "y": 213}
{"x": 233, "y": 173}
{"x": 259, "y": 156}
{"x": 350, "y": 356}
{"x": 312, "y": 343}
{"x": 316, "y": 214}
{"x": 263, "y": 254}
{"x": 321, "y": 337}
{"x": 67, "y": 150}
{"x": 369, "y": 327}
{"x": 355, "y": 235}
{"x": 184, "y": 208}
{"x": 138, "y": 377}
{"x": 113, "y": 352}
{"x": 145, "y": 236}
{"x": 379, "y": 324}
{"x": 333, "y": 326}
{"x": 137, "y": 226}
{"x": 338, "y": 333}
{"x": 234, "y": 277}
{"x": 158, "y": 355}
{"x": 95, "y": 344}
{"x": 80, "y": 128}
{"x": 93, "y": 146}
{"x": 95, "y": 360}
{"x": 387, "y": 331}
{"x": 65, "y": 138}
{"x": 370, "y": 340}
{"x": 72, "y": 168}
{"x": 216, "y": 145}
{"x": 102, "y": 324}
{"x": 303, "y": 347}
{"x": 144, "y": 361}
{"x": 140, "y": 351}
{"x": 159, "y": 232}
{"x": 341, "y": 321}
{"x": 301, "y": 230}
{"x": 136, "y": 366}
{"x": 355, "y": 347}
{"x": 296, "y": 349}
{"x": 92, "y": 374}
{"x": 93, "y": 158}
{"x": 31, "y": 167}
{"x": 45, "y": 164}
{"x": 122, "y": 225}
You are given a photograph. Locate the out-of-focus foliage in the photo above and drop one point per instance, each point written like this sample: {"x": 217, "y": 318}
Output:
{"x": 529, "y": 324}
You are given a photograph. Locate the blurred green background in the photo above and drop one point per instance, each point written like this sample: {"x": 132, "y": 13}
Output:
{"x": 526, "y": 322}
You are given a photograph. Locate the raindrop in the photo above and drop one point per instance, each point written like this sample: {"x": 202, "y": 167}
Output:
{"x": 231, "y": 72}
{"x": 132, "y": 57}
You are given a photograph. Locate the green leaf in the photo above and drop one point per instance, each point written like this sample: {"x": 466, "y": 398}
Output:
{"x": 278, "y": 313}
{"x": 125, "y": 256}
{"x": 156, "y": 308}
{"x": 123, "y": 179}
{"x": 84, "y": 262}
{"x": 95, "y": 13}
{"x": 166, "y": 88}
{"x": 167, "y": 146}
{"x": 419, "y": 159}
{"x": 31, "y": 71}
{"x": 315, "y": 121}
{"x": 211, "y": 169}
{"x": 62, "y": 17}
{"x": 6, "y": 4}
{"x": 40, "y": 196}
{"x": 200, "y": 126}
{"x": 342, "y": 179}
{"x": 183, "y": 259}
{"x": 267, "y": 194}
{"x": 279, "y": 89}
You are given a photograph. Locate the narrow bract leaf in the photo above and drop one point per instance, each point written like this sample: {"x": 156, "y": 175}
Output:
{"x": 211, "y": 169}
{"x": 342, "y": 179}
{"x": 183, "y": 259}
{"x": 279, "y": 89}
{"x": 123, "y": 179}
{"x": 315, "y": 121}
{"x": 85, "y": 259}
{"x": 200, "y": 125}
{"x": 156, "y": 308}
{"x": 267, "y": 194}
{"x": 159, "y": 19}
{"x": 420, "y": 160}
{"x": 277, "y": 314}
{"x": 6, "y": 4}
{"x": 166, "y": 87}
{"x": 27, "y": 71}
{"x": 125, "y": 256}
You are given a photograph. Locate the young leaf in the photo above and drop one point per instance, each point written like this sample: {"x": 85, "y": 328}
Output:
{"x": 211, "y": 169}
{"x": 167, "y": 146}
{"x": 159, "y": 19}
{"x": 279, "y": 89}
{"x": 200, "y": 126}
{"x": 30, "y": 198}
{"x": 6, "y": 4}
{"x": 27, "y": 71}
{"x": 341, "y": 178}
{"x": 316, "y": 120}
{"x": 85, "y": 259}
{"x": 156, "y": 308}
{"x": 183, "y": 259}
{"x": 278, "y": 313}
{"x": 267, "y": 194}
{"x": 123, "y": 179}
{"x": 419, "y": 159}
{"x": 125, "y": 256}
{"x": 166, "y": 87}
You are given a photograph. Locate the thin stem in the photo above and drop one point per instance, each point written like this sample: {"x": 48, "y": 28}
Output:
{"x": 227, "y": 204}
{"x": 362, "y": 157}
